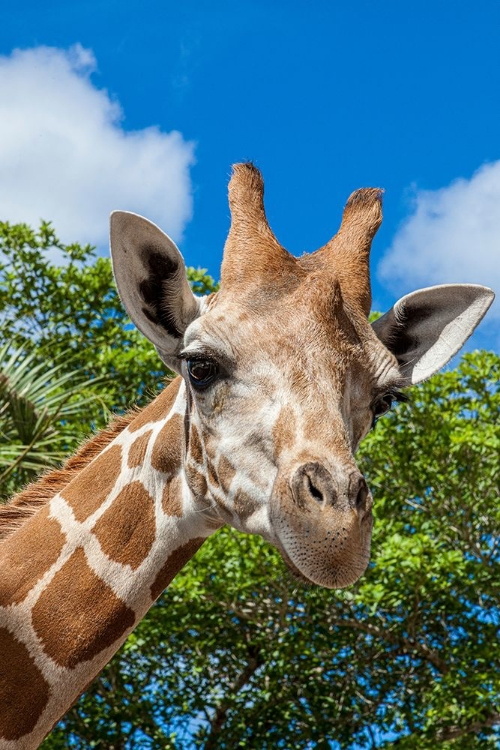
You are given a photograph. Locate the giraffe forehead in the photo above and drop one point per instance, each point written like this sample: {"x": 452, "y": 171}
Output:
{"x": 243, "y": 333}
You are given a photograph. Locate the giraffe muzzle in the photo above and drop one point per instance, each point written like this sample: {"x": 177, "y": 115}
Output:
{"x": 321, "y": 516}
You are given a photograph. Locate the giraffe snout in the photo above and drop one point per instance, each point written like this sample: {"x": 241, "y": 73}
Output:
{"x": 313, "y": 483}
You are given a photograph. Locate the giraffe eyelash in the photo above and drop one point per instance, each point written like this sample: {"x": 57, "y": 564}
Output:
{"x": 399, "y": 396}
{"x": 389, "y": 397}
{"x": 185, "y": 355}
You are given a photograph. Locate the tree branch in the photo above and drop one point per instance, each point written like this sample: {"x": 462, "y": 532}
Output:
{"x": 387, "y": 635}
{"x": 454, "y": 732}
{"x": 220, "y": 714}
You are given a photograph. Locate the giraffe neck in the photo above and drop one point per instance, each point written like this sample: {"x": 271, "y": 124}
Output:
{"x": 78, "y": 576}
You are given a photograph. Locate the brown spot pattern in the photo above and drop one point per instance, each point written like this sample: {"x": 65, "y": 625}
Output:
{"x": 175, "y": 562}
{"x": 23, "y": 690}
{"x": 197, "y": 481}
{"x": 166, "y": 455}
{"x": 243, "y": 504}
{"x": 93, "y": 616}
{"x": 27, "y": 555}
{"x": 138, "y": 449}
{"x": 212, "y": 474}
{"x": 171, "y": 500}
{"x": 284, "y": 431}
{"x": 195, "y": 449}
{"x": 225, "y": 472}
{"x": 159, "y": 408}
{"x": 127, "y": 529}
{"x": 87, "y": 491}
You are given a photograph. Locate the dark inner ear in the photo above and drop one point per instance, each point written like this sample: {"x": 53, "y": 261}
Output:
{"x": 403, "y": 335}
{"x": 409, "y": 332}
{"x": 426, "y": 328}
{"x": 160, "y": 270}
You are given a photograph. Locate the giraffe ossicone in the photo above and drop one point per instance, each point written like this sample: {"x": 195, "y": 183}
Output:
{"x": 280, "y": 375}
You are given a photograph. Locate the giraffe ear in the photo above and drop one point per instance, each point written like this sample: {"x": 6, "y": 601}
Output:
{"x": 151, "y": 278}
{"x": 425, "y": 329}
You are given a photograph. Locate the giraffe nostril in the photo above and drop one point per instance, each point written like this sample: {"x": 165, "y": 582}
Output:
{"x": 312, "y": 483}
{"x": 362, "y": 496}
{"x": 314, "y": 491}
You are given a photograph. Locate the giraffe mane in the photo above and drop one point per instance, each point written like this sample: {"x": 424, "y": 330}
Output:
{"x": 26, "y": 503}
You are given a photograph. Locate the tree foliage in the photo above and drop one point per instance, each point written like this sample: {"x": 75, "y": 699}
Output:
{"x": 238, "y": 654}
{"x": 40, "y": 406}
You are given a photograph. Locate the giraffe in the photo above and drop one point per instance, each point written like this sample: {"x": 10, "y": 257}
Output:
{"x": 280, "y": 375}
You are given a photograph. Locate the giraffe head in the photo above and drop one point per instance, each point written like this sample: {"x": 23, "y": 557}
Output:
{"x": 284, "y": 374}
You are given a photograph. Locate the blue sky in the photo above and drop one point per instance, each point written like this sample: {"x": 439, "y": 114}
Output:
{"x": 156, "y": 100}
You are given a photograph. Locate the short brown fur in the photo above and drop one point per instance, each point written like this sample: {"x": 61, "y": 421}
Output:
{"x": 167, "y": 450}
{"x": 19, "y": 570}
{"x": 23, "y": 690}
{"x": 102, "y": 616}
{"x": 102, "y": 475}
{"x": 171, "y": 500}
{"x": 127, "y": 529}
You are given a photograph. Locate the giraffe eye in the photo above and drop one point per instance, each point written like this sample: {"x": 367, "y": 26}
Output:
{"x": 383, "y": 405}
{"x": 201, "y": 372}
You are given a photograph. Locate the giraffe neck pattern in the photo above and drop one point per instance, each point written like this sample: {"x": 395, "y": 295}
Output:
{"x": 78, "y": 576}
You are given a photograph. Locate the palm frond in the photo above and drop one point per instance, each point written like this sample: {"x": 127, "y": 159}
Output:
{"x": 40, "y": 401}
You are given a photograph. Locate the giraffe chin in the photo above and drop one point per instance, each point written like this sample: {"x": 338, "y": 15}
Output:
{"x": 296, "y": 573}
{"x": 337, "y": 577}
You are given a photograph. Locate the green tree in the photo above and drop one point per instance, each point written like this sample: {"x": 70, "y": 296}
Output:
{"x": 40, "y": 406}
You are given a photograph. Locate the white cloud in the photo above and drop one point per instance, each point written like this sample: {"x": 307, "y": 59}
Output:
{"x": 65, "y": 157}
{"x": 452, "y": 235}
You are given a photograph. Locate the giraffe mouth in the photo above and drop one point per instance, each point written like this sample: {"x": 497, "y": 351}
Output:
{"x": 337, "y": 577}
{"x": 322, "y": 544}
{"x": 296, "y": 573}
{"x": 325, "y": 570}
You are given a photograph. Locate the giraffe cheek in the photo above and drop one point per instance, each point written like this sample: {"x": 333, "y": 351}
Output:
{"x": 244, "y": 505}
{"x": 226, "y": 473}
{"x": 285, "y": 431}
{"x": 219, "y": 400}
{"x": 196, "y": 481}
